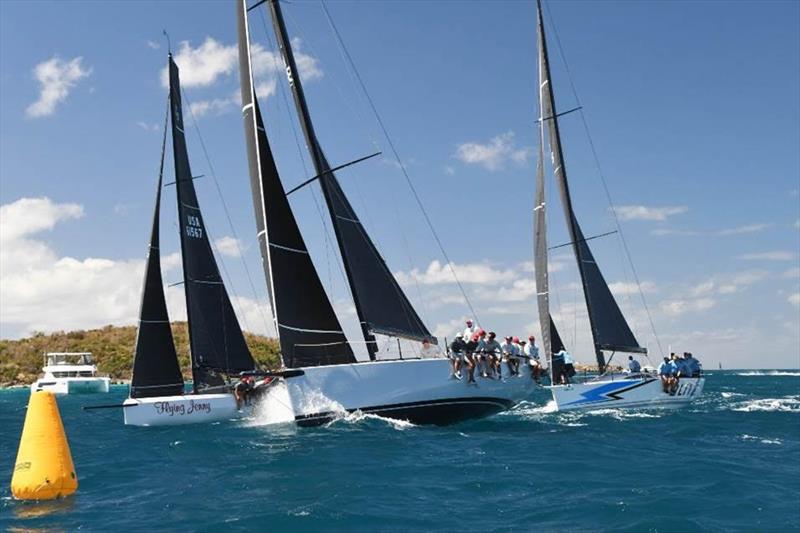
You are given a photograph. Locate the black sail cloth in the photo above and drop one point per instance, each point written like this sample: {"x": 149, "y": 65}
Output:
{"x": 610, "y": 330}
{"x": 308, "y": 330}
{"x": 381, "y": 304}
{"x": 156, "y": 371}
{"x": 217, "y": 343}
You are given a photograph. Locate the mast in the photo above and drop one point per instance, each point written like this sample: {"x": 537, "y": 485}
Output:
{"x": 610, "y": 330}
{"x": 380, "y": 303}
{"x": 156, "y": 371}
{"x": 308, "y": 330}
{"x": 216, "y": 339}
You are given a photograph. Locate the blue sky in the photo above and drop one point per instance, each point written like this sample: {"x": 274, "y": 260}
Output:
{"x": 692, "y": 106}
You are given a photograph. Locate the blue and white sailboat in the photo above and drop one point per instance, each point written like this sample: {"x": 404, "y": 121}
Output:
{"x": 610, "y": 330}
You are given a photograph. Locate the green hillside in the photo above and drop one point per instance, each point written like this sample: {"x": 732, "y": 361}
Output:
{"x": 112, "y": 347}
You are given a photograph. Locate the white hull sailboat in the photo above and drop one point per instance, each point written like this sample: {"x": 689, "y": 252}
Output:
{"x": 416, "y": 390}
{"x": 609, "y": 328}
{"x": 625, "y": 390}
{"x": 179, "y": 410}
{"x": 321, "y": 375}
{"x": 218, "y": 348}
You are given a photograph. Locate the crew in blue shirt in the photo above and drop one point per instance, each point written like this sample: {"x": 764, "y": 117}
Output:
{"x": 665, "y": 371}
{"x": 633, "y": 365}
{"x": 692, "y": 365}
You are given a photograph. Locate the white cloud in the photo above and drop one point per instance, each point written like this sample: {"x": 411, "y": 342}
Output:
{"x": 794, "y": 298}
{"x": 203, "y": 65}
{"x": 797, "y": 223}
{"x": 212, "y": 61}
{"x": 216, "y": 105}
{"x": 437, "y": 273}
{"x": 778, "y": 255}
{"x": 229, "y": 246}
{"x": 450, "y": 328}
{"x": 42, "y": 291}
{"x": 642, "y": 212}
{"x": 152, "y": 44}
{"x": 494, "y": 154}
{"x": 450, "y": 171}
{"x": 791, "y": 273}
{"x": 622, "y": 288}
{"x": 739, "y": 230}
{"x": 679, "y": 307}
{"x": 147, "y": 126}
{"x": 56, "y": 78}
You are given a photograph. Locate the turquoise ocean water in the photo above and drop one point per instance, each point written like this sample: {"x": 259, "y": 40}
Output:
{"x": 730, "y": 462}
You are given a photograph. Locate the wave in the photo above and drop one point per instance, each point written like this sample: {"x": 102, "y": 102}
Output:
{"x": 769, "y": 373}
{"x": 790, "y": 404}
{"x": 762, "y": 440}
{"x": 357, "y": 417}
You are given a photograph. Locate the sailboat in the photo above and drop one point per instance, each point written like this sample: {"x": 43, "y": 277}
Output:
{"x": 610, "y": 331}
{"x": 218, "y": 348}
{"x": 322, "y": 377}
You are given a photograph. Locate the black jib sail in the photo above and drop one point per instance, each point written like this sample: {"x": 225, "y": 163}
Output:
{"x": 217, "y": 343}
{"x": 610, "y": 330}
{"x": 381, "y": 305}
{"x": 156, "y": 371}
{"x": 308, "y": 330}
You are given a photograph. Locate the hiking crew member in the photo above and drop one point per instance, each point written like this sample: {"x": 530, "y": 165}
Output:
{"x": 469, "y": 357}
{"x": 532, "y": 351}
{"x": 664, "y": 373}
{"x": 428, "y": 350}
{"x": 457, "y": 349}
{"x": 693, "y": 364}
{"x": 509, "y": 351}
{"x": 470, "y": 330}
{"x": 493, "y": 352}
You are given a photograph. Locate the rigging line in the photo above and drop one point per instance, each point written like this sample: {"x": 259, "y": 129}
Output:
{"x": 354, "y": 110}
{"x": 399, "y": 162}
{"x": 330, "y": 249}
{"x": 230, "y": 222}
{"x": 603, "y": 181}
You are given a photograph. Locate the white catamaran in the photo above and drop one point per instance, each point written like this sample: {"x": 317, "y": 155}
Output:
{"x": 610, "y": 330}
{"x": 322, "y": 376}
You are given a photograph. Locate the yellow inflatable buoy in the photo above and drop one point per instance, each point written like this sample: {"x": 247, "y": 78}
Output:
{"x": 44, "y": 469}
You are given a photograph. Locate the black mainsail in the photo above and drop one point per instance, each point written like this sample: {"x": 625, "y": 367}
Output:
{"x": 156, "y": 371}
{"x": 307, "y": 327}
{"x": 610, "y": 330}
{"x": 217, "y": 343}
{"x": 381, "y": 304}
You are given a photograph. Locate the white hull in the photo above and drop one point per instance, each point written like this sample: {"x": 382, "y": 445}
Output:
{"x": 179, "y": 410}
{"x": 643, "y": 391}
{"x": 418, "y": 390}
{"x": 71, "y": 385}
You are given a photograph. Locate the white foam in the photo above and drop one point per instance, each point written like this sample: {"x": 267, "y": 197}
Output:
{"x": 762, "y": 440}
{"x": 769, "y": 373}
{"x": 275, "y": 407}
{"x": 731, "y": 394}
{"x": 790, "y": 404}
{"x": 357, "y": 416}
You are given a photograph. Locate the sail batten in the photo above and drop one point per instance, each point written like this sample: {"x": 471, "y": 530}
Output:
{"x": 156, "y": 371}
{"x": 217, "y": 343}
{"x": 308, "y": 330}
{"x": 610, "y": 330}
{"x": 381, "y": 305}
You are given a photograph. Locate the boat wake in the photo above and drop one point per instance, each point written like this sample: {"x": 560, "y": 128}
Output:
{"x": 357, "y": 417}
{"x": 762, "y": 440}
{"x": 769, "y": 373}
{"x": 789, "y": 404}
